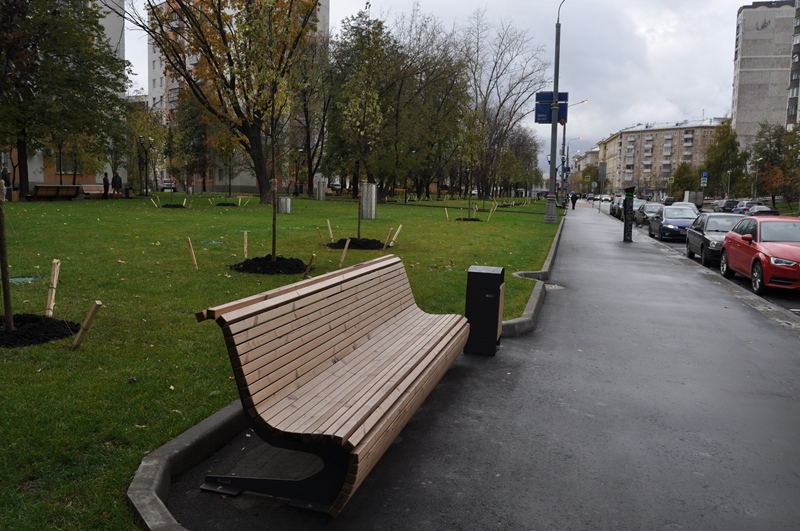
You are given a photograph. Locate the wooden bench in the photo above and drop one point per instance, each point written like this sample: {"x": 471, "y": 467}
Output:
{"x": 54, "y": 192}
{"x": 93, "y": 191}
{"x": 335, "y": 366}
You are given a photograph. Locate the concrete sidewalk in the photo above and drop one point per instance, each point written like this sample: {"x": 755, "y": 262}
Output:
{"x": 650, "y": 396}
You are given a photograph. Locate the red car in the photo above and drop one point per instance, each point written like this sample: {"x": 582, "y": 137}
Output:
{"x": 766, "y": 249}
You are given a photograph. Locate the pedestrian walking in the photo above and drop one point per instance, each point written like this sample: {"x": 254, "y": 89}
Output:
{"x": 105, "y": 185}
{"x": 6, "y": 184}
{"x": 116, "y": 185}
{"x": 574, "y": 200}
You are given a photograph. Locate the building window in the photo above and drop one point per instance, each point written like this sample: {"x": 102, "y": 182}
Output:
{"x": 796, "y": 38}
{"x": 154, "y": 64}
{"x": 795, "y": 58}
{"x": 154, "y": 82}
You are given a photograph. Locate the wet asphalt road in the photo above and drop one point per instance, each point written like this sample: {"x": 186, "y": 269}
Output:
{"x": 651, "y": 396}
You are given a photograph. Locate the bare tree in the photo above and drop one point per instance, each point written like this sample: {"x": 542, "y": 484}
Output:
{"x": 505, "y": 71}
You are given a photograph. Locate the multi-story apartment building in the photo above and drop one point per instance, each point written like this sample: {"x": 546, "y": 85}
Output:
{"x": 762, "y": 64}
{"x": 794, "y": 73}
{"x": 646, "y": 156}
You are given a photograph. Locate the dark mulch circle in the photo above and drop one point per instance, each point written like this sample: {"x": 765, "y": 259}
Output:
{"x": 226, "y": 204}
{"x": 265, "y": 266}
{"x": 172, "y": 206}
{"x": 468, "y": 219}
{"x": 365, "y": 244}
{"x": 33, "y": 329}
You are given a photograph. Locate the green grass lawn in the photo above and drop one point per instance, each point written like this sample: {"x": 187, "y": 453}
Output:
{"x": 75, "y": 424}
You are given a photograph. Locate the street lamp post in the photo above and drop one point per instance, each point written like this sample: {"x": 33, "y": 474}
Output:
{"x": 146, "y": 150}
{"x": 550, "y": 209}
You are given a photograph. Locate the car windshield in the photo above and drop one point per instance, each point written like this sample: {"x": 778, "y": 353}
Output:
{"x": 679, "y": 213}
{"x": 721, "y": 224}
{"x": 651, "y": 207}
{"x": 777, "y": 231}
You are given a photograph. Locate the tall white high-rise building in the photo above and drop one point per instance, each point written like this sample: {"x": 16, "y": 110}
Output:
{"x": 761, "y": 67}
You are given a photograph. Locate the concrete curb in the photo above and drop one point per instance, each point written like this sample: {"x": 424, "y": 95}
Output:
{"x": 527, "y": 322}
{"x": 151, "y": 483}
{"x": 150, "y": 486}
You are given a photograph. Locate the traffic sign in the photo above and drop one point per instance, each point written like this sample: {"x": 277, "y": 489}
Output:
{"x": 587, "y": 178}
{"x": 704, "y": 179}
{"x": 670, "y": 180}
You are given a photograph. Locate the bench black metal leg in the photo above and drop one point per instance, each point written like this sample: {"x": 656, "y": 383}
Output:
{"x": 317, "y": 492}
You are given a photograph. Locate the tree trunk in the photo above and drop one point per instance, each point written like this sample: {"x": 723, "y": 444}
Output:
{"x": 8, "y": 310}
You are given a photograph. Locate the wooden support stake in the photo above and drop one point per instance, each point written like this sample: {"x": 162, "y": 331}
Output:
{"x": 210, "y": 202}
{"x": 245, "y": 245}
{"x": 191, "y": 251}
{"x": 86, "y": 325}
{"x": 385, "y": 245}
{"x": 159, "y": 200}
{"x": 344, "y": 253}
{"x": 446, "y": 214}
{"x": 184, "y": 202}
{"x": 395, "y": 235}
{"x": 154, "y": 203}
{"x": 245, "y": 203}
{"x": 491, "y": 211}
{"x": 310, "y": 263}
{"x": 329, "y": 230}
{"x": 51, "y": 294}
{"x": 322, "y": 238}
{"x": 240, "y": 201}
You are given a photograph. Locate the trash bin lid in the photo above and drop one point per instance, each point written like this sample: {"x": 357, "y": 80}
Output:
{"x": 485, "y": 277}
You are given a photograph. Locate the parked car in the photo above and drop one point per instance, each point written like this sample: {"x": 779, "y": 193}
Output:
{"x": 615, "y": 208}
{"x": 765, "y": 249}
{"x": 725, "y": 205}
{"x": 684, "y": 204}
{"x": 605, "y": 197}
{"x": 743, "y": 206}
{"x": 590, "y": 197}
{"x": 706, "y": 234}
{"x": 668, "y": 201}
{"x": 670, "y": 222}
{"x": 642, "y": 214}
{"x": 166, "y": 184}
{"x": 762, "y": 210}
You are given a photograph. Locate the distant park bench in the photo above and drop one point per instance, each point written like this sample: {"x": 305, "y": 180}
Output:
{"x": 334, "y": 366}
{"x": 54, "y": 192}
{"x": 93, "y": 191}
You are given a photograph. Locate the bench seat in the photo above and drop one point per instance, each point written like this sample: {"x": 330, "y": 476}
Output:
{"x": 54, "y": 192}
{"x": 336, "y": 366}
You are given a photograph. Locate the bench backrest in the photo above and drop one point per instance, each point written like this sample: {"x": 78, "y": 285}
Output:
{"x": 281, "y": 339}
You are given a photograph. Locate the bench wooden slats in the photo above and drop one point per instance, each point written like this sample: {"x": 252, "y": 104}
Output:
{"x": 258, "y": 334}
{"x": 309, "y": 366}
{"x": 343, "y": 387}
{"x": 340, "y": 361}
{"x": 52, "y": 192}
{"x": 229, "y": 308}
{"x": 329, "y": 383}
{"x": 281, "y": 350}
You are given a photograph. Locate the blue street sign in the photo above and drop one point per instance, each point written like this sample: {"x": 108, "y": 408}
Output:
{"x": 704, "y": 179}
{"x": 544, "y": 112}
{"x": 547, "y": 97}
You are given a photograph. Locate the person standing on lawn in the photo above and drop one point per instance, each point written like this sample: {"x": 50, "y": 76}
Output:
{"x": 116, "y": 185}
{"x": 105, "y": 185}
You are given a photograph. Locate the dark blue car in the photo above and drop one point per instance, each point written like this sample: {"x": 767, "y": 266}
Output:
{"x": 670, "y": 222}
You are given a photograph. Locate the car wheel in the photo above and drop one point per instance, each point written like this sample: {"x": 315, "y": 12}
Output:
{"x": 757, "y": 279}
{"x": 704, "y": 259}
{"x": 689, "y": 252}
{"x": 650, "y": 231}
{"x": 726, "y": 271}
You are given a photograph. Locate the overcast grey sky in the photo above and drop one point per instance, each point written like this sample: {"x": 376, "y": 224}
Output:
{"x": 636, "y": 61}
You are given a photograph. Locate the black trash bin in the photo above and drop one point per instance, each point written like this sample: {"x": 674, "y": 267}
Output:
{"x": 484, "y": 311}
